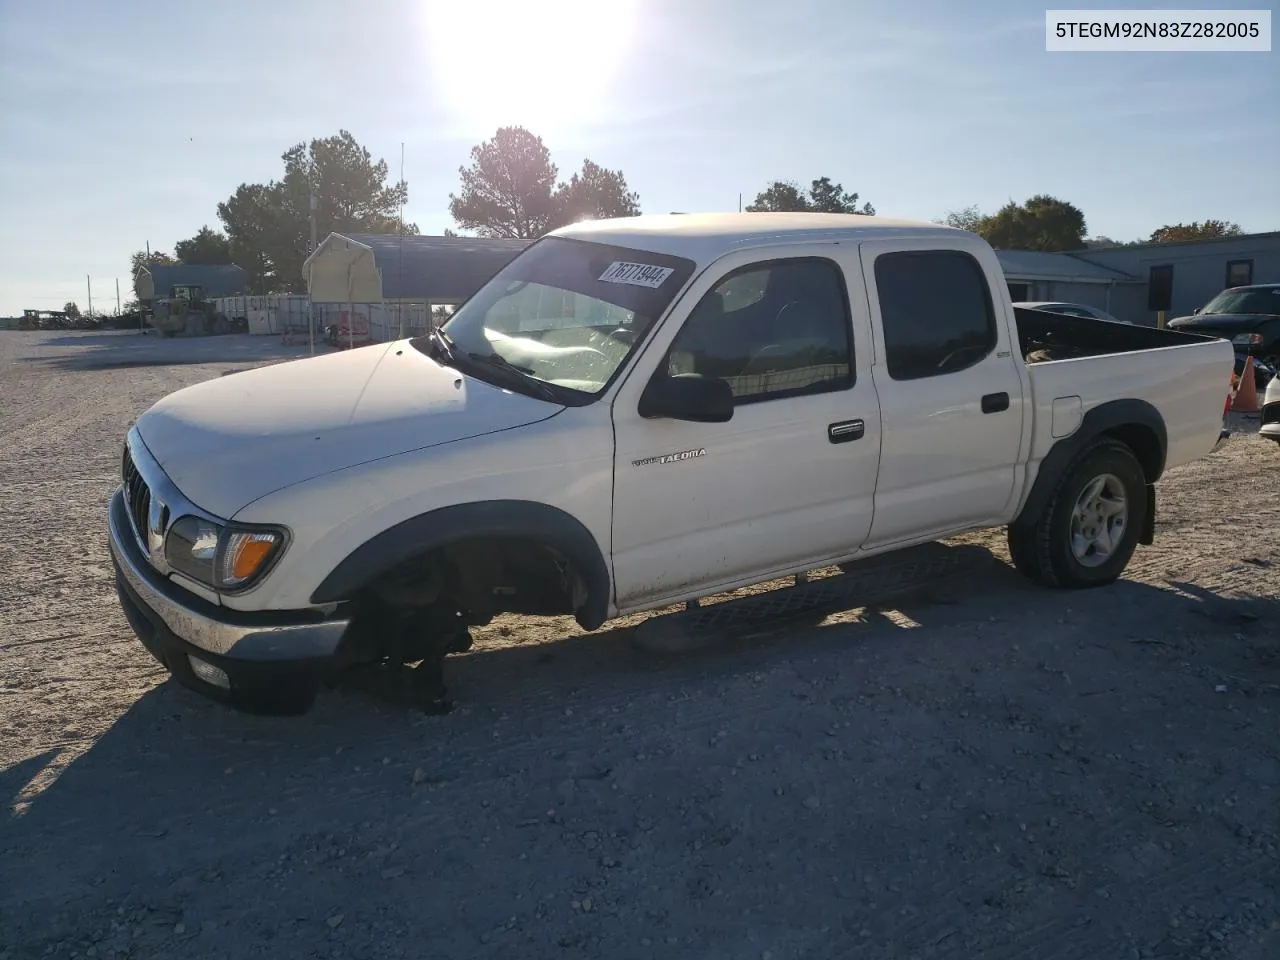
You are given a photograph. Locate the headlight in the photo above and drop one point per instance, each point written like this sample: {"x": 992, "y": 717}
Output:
{"x": 222, "y": 557}
{"x": 192, "y": 547}
{"x": 1245, "y": 339}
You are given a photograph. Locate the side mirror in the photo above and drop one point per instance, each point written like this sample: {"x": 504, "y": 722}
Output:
{"x": 1195, "y": 311}
{"x": 687, "y": 396}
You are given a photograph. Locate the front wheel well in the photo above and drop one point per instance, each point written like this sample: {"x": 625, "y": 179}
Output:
{"x": 498, "y": 555}
{"x": 484, "y": 576}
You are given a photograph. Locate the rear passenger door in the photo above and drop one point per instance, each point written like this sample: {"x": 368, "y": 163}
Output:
{"x": 950, "y": 387}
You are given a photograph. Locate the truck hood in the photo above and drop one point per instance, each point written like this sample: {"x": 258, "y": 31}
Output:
{"x": 1221, "y": 323}
{"x": 233, "y": 440}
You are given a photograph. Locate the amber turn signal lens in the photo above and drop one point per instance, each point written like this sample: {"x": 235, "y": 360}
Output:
{"x": 245, "y": 555}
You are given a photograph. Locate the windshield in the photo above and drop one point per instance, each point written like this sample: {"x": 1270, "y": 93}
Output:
{"x": 566, "y": 313}
{"x": 1246, "y": 300}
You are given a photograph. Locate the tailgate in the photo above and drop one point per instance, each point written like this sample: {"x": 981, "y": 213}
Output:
{"x": 1187, "y": 383}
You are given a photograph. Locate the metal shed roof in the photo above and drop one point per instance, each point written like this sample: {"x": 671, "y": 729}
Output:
{"x": 414, "y": 268}
{"x": 1041, "y": 265}
{"x": 224, "y": 280}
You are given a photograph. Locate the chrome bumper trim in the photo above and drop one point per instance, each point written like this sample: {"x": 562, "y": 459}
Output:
{"x": 270, "y": 635}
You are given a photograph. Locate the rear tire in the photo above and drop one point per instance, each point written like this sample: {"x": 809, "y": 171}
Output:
{"x": 1089, "y": 529}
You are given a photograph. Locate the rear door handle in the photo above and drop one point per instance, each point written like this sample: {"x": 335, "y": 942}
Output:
{"x": 995, "y": 402}
{"x": 846, "y": 430}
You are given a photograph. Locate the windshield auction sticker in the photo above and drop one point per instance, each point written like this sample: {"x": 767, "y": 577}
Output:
{"x": 636, "y": 274}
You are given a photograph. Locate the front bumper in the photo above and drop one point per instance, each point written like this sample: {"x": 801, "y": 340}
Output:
{"x": 272, "y": 660}
{"x": 1270, "y": 427}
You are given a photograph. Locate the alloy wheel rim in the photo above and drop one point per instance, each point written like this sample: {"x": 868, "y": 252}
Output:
{"x": 1099, "y": 520}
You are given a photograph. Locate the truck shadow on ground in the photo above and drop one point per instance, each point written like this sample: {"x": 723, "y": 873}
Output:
{"x": 172, "y": 739}
{"x": 178, "y": 779}
{"x": 129, "y": 349}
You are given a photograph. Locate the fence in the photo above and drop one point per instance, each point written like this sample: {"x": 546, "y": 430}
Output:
{"x": 294, "y": 318}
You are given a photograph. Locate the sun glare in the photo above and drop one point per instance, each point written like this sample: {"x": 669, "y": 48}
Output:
{"x": 548, "y": 65}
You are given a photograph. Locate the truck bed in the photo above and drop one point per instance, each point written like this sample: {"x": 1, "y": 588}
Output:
{"x": 1075, "y": 364}
{"x": 1045, "y": 337}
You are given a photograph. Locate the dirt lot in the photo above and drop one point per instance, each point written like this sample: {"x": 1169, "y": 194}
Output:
{"x": 986, "y": 769}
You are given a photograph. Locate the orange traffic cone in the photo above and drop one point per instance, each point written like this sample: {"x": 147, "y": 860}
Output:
{"x": 1246, "y": 398}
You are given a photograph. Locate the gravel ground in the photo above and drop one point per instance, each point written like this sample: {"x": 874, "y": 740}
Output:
{"x": 982, "y": 769}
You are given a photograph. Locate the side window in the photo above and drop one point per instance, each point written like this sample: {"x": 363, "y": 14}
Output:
{"x": 1239, "y": 273}
{"x": 936, "y": 310}
{"x": 743, "y": 289}
{"x": 772, "y": 330}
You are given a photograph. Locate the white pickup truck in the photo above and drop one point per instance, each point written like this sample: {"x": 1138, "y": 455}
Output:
{"x": 635, "y": 413}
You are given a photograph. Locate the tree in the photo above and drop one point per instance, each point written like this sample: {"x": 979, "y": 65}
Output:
{"x": 141, "y": 259}
{"x": 508, "y": 191}
{"x": 594, "y": 194}
{"x": 781, "y": 196}
{"x": 268, "y": 225}
{"x": 966, "y": 219}
{"x": 511, "y": 190}
{"x": 1195, "y": 231}
{"x": 828, "y": 197}
{"x": 1041, "y": 223}
{"x": 252, "y": 219}
{"x": 1102, "y": 242}
{"x": 785, "y": 196}
{"x": 206, "y": 247}
{"x": 71, "y": 310}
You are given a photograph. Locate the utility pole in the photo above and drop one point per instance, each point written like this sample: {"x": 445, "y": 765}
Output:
{"x": 400, "y": 260}
{"x": 118, "y": 311}
{"x": 311, "y": 309}
{"x": 89, "y": 289}
{"x": 142, "y": 317}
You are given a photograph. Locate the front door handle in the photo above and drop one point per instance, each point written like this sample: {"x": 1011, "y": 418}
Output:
{"x": 995, "y": 402}
{"x": 846, "y": 430}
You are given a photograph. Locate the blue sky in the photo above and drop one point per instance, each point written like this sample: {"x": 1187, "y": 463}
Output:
{"x": 127, "y": 122}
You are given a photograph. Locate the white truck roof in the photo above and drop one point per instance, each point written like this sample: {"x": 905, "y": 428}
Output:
{"x": 703, "y": 237}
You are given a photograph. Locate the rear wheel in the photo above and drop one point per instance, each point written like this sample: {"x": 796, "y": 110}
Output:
{"x": 1087, "y": 532}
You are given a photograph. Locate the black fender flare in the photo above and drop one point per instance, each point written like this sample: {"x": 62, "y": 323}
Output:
{"x": 518, "y": 519}
{"x": 1115, "y": 417}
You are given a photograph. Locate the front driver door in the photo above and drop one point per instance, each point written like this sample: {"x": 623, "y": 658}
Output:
{"x": 791, "y": 478}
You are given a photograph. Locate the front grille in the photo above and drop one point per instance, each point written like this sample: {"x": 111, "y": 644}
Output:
{"x": 1271, "y": 413}
{"x": 137, "y": 496}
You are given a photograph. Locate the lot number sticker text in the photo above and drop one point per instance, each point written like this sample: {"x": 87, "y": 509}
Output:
{"x": 636, "y": 274}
